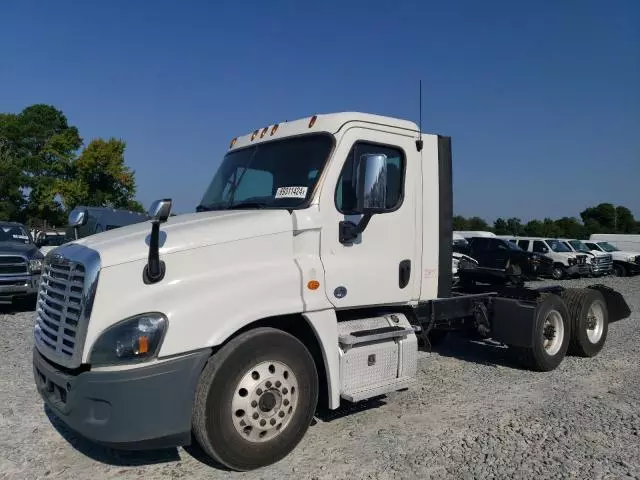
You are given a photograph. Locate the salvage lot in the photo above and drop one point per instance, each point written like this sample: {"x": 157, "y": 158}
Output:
{"x": 474, "y": 413}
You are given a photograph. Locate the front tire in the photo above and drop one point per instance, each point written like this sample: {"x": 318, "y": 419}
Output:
{"x": 619, "y": 270}
{"x": 255, "y": 399}
{"x": 558, "y": 272}
{"x": 551, "y": 334}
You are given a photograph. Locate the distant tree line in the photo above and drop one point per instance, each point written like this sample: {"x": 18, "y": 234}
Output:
{"x": 603, "y": 218}
{"x": 45, "y": 172}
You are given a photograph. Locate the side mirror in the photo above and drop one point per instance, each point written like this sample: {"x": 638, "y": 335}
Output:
{"x": 42, "y": 241}
{"x": 371, "y": 194}
{"x": 160, "y": 210}
{"x": 78, "y": 218}
{"x": 371, "y": 183}
{"x": 545, "y": 250}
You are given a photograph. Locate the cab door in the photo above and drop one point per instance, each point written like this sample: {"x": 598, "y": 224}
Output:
{"x": 380, "y": 265}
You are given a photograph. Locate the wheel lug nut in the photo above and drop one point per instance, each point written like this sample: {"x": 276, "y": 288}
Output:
{"x": 255, "y": 416}
{"x": 285, "y": 391}
{"x": 268, "y": 384}
{"x": 259, "y": 391}
{"x": 273, "y": 421}
{"x": 281, "y": 414}
{"x": 278, "y": 384}
{"x": 263, "y": 422}
{"x": 286, "y": 402}
{"x": 254, "y": 404}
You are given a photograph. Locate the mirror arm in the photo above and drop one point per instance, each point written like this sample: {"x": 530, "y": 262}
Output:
{"x": 155, "y": 269}
{"x": 349, "y": 231}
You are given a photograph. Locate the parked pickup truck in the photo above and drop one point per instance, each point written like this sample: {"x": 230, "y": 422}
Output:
{"x": 20, "y": 263}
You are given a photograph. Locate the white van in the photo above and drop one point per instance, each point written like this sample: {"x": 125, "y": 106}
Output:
{"x": 600, "y": 263}
{"x": 630, "y": 243}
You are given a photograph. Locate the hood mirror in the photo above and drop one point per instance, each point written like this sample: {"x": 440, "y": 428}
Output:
{"x": 159, "y": 212}
{"x": 77, "y": 219}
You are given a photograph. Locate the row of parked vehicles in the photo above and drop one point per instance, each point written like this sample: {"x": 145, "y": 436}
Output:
{"x": 22, "y": 250}
{"x": 485, "y": 254}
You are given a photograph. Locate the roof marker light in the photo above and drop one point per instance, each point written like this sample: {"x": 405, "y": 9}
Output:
{"x": 312, "y": 121}
{"x": 254, "y": 135}
{"x": 273, "y": 129}
{"x": 233, "y": 142}
{"x": 264, "y": 131}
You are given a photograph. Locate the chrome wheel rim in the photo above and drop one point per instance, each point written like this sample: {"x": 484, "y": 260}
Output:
{"x": 552, "y": 332}
{"x": 595, "y": 322}
{"x": 264, "y": 401}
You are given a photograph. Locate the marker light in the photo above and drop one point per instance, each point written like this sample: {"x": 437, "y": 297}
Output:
{"x": 254, "y": 134}
{"x": 312, "y": 121}
{"x": 273, "y": 129}
{"x": 264, "y": 131}
{"x": 313, "y": 284}
{"x": 233, "y": 142}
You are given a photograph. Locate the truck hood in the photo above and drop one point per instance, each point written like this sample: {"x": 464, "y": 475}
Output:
{"x": 186, "y": 232}
{"x": 15, "y": 248}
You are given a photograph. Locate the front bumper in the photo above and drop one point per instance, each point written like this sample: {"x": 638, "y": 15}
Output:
{"x": 141, "y": 408}
{"x": 18, "y": 286}
{"x": 582, "y": 269}
{"x": 631, "y": 267}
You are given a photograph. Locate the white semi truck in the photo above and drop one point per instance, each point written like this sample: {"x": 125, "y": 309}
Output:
{"x": 318, "y": 259}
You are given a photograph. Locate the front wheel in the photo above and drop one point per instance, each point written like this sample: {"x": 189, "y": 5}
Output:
{"x": 558, "y": 272}
{"x": 255, "y": 399}
{"x": 619, "y": 270}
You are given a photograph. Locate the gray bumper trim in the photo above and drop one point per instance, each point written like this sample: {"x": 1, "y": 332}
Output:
{"x": 142, "y": 408}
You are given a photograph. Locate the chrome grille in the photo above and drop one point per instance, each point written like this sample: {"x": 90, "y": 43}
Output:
{"x": 13, "y": 265}
{"x": 602, "y": 263}
{"x": 60, "y": 305}
{"x": 65, "y": 298}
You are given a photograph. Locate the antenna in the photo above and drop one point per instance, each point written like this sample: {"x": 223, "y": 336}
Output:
{"x": 419, "y": 142}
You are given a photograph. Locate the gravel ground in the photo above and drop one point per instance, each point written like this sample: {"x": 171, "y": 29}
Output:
{"x": 474, "y": 414}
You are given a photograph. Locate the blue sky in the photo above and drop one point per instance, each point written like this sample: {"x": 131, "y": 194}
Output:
{"x": 542, "y": 99}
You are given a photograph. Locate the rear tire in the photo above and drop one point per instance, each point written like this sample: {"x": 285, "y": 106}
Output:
{"x": 551, "y": 334}
{"x": 255, "y": 399}
{"x": 589, "y": 321}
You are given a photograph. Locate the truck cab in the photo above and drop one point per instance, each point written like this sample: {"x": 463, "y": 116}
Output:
{"x": 319, "y": 257}
{"x": 20, "y": 263}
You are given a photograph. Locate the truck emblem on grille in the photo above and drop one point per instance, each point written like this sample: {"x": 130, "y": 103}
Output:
{"x": 340, "y": 292}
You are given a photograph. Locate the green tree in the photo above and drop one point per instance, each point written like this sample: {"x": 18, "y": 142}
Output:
{"x": 514, "y": 225}
{"x": 570, "y": 227}
{"x": 459, "y": 223}
{"x": 500, "y": 227}
{"x": 534, "y": 228}
{"x": 100, "y": 177}
{"x": 477, "y": 223}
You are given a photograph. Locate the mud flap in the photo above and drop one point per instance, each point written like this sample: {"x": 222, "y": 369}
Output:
{"x": 513, "y": 322}
{"x": 616, "y": 304}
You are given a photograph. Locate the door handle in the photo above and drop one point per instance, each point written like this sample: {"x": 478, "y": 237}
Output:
{"x": 404, "y": 273}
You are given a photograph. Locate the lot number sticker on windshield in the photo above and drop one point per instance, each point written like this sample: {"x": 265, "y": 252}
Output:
{"x": 291, "y": 192}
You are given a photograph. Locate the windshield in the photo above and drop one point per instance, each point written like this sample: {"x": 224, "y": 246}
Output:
{"x": 557, "y": 246}
{"x": 14, "y": 234}
{"x": 278, "y": 174}
{"x": 607, "y": 247}
{"x": 579, "y": 246}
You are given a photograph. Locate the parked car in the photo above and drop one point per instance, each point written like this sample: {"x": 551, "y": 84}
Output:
{"x": 48, "y": 240}
{"x": 566, "y": 263}
{"x": 20, "y": 263}
{"x": 624, "y": 262}
{"x": 599, "y": 263}
{"x": 497, "y": 257}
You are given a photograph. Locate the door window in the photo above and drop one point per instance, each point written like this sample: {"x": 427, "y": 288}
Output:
{"x": 539, "y": 247}
{"x": 346, "y": 189}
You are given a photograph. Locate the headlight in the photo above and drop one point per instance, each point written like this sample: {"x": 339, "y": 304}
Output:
{"x": 35, "y": 265}
{"x": 631, "y": 259}
{"x": 133, "y": 340}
